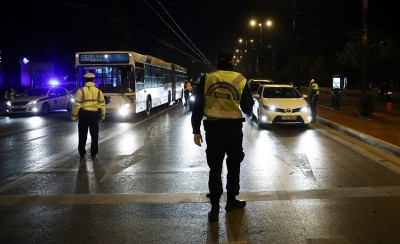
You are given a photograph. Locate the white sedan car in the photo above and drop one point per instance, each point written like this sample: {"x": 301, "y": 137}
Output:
{"x": 280, "y": 104}
{"x": 41, "y": 101}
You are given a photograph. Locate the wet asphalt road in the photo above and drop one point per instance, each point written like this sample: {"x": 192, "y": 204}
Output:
{"x": 149, "y": 181}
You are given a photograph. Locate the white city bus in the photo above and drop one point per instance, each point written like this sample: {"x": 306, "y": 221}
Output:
{"x": 132, "y": 82}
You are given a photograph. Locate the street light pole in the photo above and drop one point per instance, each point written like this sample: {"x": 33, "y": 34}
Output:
{"x": 294, "y": 43}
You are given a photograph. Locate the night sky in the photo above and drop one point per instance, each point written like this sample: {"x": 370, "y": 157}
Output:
{"x": 55, "y": 30}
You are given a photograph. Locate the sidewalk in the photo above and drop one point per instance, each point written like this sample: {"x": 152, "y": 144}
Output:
{"x": 381, "y": 129}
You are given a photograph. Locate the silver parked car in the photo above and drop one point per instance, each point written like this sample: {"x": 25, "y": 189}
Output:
{"x": 41, "y": 100}
{"x": 280, "y": 104}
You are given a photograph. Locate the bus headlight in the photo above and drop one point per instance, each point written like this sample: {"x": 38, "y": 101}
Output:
{"x": 8, "y": 103}
{"x": 124, "y": 110}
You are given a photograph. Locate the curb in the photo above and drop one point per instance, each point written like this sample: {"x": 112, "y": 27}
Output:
{"x": 375, "y": 142}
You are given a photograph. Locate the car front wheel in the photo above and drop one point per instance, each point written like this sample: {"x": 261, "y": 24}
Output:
{"x": 45, "y": 109}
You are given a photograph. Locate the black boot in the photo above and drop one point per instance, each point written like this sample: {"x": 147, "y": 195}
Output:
{"x": 214, "y": 213}
{"x": 232, "y": 204}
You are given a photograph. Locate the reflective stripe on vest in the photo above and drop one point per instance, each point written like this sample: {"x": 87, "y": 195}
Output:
{"x": 222, "y": 91}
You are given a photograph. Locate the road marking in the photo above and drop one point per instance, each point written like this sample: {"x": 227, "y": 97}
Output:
{"x": 197, "y": 197}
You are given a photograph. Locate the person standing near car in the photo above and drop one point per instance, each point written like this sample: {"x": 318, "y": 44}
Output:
{"x": 313, "y": 92}
{"x": 10, "y": 94}
{"x": 90, "y": 108}
{"x": 221, "y": 96}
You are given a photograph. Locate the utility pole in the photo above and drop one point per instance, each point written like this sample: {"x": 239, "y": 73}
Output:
{"x": 366, "y": 106}
{"x": 294, "y": 42}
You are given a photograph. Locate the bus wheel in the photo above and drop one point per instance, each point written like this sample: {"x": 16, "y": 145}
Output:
{"x": 148, "y": 106}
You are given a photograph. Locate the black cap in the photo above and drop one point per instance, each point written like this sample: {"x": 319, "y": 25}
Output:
{"x": 225, "y": 56}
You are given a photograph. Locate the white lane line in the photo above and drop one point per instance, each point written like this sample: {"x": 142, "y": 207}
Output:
{"x": 379, "y": 156}
{"x": 199, "y": 197}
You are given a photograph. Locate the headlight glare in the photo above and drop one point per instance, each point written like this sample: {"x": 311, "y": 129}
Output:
{"x": 269, "y": 108}
{"x": 124, "y": 110}
{"x": 304, "y": 109}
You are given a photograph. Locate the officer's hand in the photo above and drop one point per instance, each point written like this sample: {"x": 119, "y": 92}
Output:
{"x": 198, "y": 139}
{"x": 74, "y": 119}
{"x": 102, "y": 119}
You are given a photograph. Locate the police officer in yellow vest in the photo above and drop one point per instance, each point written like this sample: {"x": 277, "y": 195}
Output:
{"x": 90, "y": 105}
{"x": 313, "y": 92}
{"x": 221, "y": 96}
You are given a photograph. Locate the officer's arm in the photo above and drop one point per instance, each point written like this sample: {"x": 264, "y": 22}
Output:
{"x": 198, "y": 108}
{"x": 246, "y": 101}
{"x": 102, "y": 105}
{"x": 77, "y": 105}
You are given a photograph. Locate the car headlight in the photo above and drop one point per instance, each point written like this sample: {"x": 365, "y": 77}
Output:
{"x": 8, "y": 103}
{"x": 72, "y": 100}
{"x": 192, "y": 98}
{"x": 304, "y": 109}
{"x": 269, "y": 108}
{"x": 32, "y": 102}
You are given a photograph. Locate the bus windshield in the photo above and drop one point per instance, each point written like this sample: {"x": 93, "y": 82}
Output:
{"x": 109, "y": 78}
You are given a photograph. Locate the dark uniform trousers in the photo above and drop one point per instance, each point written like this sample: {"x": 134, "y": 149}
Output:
{"x": 313, "y": 107}
{"x": 88, "y": 120}
{"x": 224, "y": 137}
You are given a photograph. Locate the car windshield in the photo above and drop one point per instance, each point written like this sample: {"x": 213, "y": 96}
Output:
{"x": 280, "y": 92}
{"x": 255, "y": 84}
{"x": 35, "y": 92}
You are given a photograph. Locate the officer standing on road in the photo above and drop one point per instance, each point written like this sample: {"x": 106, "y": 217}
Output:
{"x": 90, "y": 105}
{"x": 221, "y": 96}
{"x": 313, "y": 92}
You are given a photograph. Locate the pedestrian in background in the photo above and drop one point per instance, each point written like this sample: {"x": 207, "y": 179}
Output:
{"x": 313, "y": 92}
{"x": 188, "y": 88}
{"x": 221, "y": 96}
{"x": 90, "y": 108}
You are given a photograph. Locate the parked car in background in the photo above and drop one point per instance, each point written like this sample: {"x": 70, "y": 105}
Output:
{"x": 41, "y": 100}
{"x": 70, "y": 86}
{"x": 254, "y": 84}
{"x": 280, "y": 104}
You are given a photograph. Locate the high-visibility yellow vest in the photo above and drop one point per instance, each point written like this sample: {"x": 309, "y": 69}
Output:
{"x": 223, "y": 91}
{"x": 89, "y": 98}
{"x": 313, "y": 89}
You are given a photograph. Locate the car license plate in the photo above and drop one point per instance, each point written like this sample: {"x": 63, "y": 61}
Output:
{"x": 289, "y": 117}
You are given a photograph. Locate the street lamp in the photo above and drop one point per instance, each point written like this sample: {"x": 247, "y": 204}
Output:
{"x": 268, "y": 24}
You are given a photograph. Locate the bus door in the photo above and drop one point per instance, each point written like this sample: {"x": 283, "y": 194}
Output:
{"x": 173, "y": 82}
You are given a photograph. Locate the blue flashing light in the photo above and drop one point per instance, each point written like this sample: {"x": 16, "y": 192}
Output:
{"x": 25, "y": 60}
{"x": 54, "y": 82}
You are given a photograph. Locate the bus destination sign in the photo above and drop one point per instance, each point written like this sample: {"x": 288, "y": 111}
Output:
{"x": 104, "y": 58}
